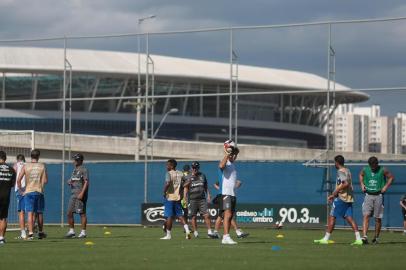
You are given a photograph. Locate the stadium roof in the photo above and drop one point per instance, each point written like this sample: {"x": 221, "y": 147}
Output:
{"x": 124, "y": 64}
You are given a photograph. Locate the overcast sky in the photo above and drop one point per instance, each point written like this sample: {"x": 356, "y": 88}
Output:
{"x": 367, "y": 55}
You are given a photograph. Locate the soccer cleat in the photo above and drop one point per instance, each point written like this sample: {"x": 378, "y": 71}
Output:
{"x": 166, "y": 237}
{"x": 321, "y": 241}
{"x": 42, "y": 235}
{"x": 213, "y": 236}
{"x": 364, "y": 240}
{"x": 2, "y": 241}
{"x": 243, "y": 235}
{"x": 357, "y": 243}
{"x": 30, "y": 237}
{"x": 70, "y": 235}
{"x": 21, "y": 237}
{"x": 82, "y": 235}
{"x": 196, "y": 234}
{"x": 228, "y": 241}
{"x": 188, "y": 235}
{"x": 375, "y": 241}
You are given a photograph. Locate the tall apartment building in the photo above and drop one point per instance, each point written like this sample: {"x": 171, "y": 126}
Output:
{"x": 400, "y": 133}
{"x": 363, "y": 129}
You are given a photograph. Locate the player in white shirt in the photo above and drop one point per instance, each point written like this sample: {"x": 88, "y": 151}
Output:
{"x": 228, "y": 185}
{"x": 20, "y": 198}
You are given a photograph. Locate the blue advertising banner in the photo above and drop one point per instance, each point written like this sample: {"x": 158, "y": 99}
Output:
{"x": 272, "y": 215}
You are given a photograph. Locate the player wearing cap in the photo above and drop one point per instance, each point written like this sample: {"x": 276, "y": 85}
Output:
{"x": 7, "y": 181}
{"x": 197, "y": 195}
{"x": 79, "y": 184}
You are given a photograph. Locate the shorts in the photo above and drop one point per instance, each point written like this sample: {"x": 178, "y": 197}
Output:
{"x": 227, "y": 202}
{"x": 404, "y": 214}
{"x": 373, "y": 205}
{"x": 77, "y": 206}
{"x": 172, "y": 208}
{"x": 341, "y": 209}
{"x": 4, "y": 204}
{"x": 197, "y": 206}
{"x": 34, "y": 202}
{"x": 20, "y": 202}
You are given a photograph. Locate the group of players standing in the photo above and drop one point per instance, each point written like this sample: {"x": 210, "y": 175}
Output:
{"x": 374, "y": 181}
{"x": 29, "y": 180}
{"x": 186, "y": 194}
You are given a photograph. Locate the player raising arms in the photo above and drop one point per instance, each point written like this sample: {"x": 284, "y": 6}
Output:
{"x": 35, "y": 180}
{"x": 7, "y": 181}
{"x": 197, "y": 195}
{"x": 172, "y": 198}
{"x": 229, "y": 180}
{"x": 219, "y": 220}
{"x": 342, "y": 199}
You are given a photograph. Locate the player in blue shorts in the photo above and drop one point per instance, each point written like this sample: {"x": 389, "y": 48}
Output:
{"x": 342, "y": 199}
{"x": 20, "y": 198}
{"x": 172, "y": 199}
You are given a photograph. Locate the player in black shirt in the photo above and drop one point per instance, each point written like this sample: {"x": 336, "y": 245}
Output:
{"x": 7, "y": 181}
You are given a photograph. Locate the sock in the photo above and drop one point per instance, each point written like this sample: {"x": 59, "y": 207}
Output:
{"x": 83, "y": 232}
{"x": 71, "y": 231}
{"x": 215, "y": 231}
{"x": 168, "y": 233}
{"x": 404, "y": 231}
{"x": 226, "y": 236}
{"x": 238, "y": 232}
{"x": 209, "y": 231}
{"x": 357, "y": 236}
{"x": 327, "y": 236}
{"x": 195, "y": 233}
{"x": 365, "y": 237}
{"x": 186, "y": 228}
{"x": 1, "y": 238}
{"x": 23, "y": 233}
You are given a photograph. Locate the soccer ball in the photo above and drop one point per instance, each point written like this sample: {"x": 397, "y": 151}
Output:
{"x": 229, "y": 146}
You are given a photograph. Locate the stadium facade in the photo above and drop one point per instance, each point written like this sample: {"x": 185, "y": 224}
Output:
{"x": 284, "y": 119}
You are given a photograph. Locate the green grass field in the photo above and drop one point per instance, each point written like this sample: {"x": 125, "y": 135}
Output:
{"x": 140, "y": 248}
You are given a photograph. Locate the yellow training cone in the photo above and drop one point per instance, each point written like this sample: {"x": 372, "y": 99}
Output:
{"x": 107, "y": 233}
{"x": 280, "y": 236}
{"x": 89, "y": 243}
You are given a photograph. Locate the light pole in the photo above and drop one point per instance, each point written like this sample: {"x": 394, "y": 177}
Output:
{"x": 173, "y": 110}
{"x": 138, "y": 118}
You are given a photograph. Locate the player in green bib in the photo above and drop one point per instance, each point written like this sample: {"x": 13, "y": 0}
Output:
{"x": 375, "y": 181}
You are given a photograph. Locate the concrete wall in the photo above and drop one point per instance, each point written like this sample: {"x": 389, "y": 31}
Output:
{"x": 123, "y": 148}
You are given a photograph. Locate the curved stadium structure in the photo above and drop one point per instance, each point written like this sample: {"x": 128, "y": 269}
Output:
{"x": 286, "y": 119}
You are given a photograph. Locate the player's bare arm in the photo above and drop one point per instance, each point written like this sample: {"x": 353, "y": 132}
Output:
{"x": 223, "y": 162}
{"x": 344, "y": 184}
{"x": 361, "y": 180}
{"x": 402, "y": 205}
{"x": 389, "y": 180}
{"x": 44, "y": 178}
{"x": 238, "y": 184}
{"x": 166, "y": 186}
{"x": 19, "y": 178}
